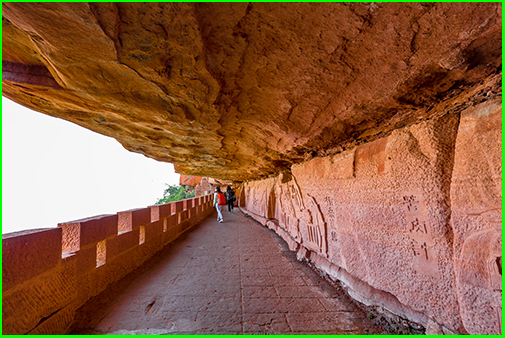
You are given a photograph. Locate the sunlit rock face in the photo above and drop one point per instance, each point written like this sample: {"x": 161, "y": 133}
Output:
{"x": 243, "y": 91}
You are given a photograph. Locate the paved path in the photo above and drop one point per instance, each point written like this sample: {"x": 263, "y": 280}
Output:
{"x": 235, "y": 277}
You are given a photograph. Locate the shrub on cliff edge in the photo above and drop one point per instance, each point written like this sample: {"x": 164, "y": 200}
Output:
{"x": 175, "y": 193}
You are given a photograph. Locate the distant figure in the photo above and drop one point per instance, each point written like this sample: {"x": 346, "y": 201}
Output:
{"x": 219, "y": 201}
{"x": 230, "y": 198}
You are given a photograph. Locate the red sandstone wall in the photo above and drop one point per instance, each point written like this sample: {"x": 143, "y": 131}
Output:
{"x": 476, "y": 218}
{"x": 191, "y": 181}
{"x": 48, "y": 274}
{"x": 410, "y": 222}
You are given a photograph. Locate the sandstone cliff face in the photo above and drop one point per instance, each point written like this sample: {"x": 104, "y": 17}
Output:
{"x": 476, "y": 200}
{"x": 242, "y": 91}
{"x": 191, "y": 181}
{"x": 415, "y": 215}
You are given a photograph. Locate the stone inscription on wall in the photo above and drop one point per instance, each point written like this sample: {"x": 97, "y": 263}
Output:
{"x": 330, "y": 212}
{"x": 420, "y": 237}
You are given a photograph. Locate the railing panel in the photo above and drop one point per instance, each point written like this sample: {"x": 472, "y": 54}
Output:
{"x": 122, "y": 243}
{"x": 153, "y": 231}
{"x": 134, "y": 218}
{"x": 192, "y": 213}
{"x": 141, "y": 217}
{"x": 26, "y": 254}
{"x": 172, "y": 221}
{"x": 179, "y": 206}
{"x": 125, "y": 222}
{"x": 184, "y": 216}
{"x": 101, "y": 253}
{"x": 97, "y": 229}
{"x": 32, "y": 303}
{"x": 71, "y": 236}
{"x": 86, "y": 260}
{"x": 96, "y": 254}
{"x": 155, "y": 213}
{"x": 165, "y": 210}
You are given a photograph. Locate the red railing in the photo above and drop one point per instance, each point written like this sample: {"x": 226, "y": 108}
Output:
{"x": 49, "y": 273}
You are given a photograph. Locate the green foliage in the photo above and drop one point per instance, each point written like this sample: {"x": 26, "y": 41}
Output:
{"x": 175, "y": 193}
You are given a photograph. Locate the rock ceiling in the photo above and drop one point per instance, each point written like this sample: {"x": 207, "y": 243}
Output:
{"x": 242, "y": 91}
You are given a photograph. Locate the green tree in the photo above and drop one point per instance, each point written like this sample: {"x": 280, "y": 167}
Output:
{"x": 174, "y": 193}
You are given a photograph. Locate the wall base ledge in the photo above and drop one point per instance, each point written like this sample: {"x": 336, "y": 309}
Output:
{"x": 386, "y": 303}
{"x": 399, "y": 316}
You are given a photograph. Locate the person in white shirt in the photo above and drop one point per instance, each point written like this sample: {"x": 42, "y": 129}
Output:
{"x": 219, "y": 208}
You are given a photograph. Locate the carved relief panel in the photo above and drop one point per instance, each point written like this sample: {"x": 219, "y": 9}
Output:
{"x": 300, "y": 214}
{"x": 316, "y": 227}
{"x": 259, "y": 199}
{"x": 291, "y": 208}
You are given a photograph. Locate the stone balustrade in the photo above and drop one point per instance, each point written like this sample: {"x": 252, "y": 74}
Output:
{"x": 49, "y": 273}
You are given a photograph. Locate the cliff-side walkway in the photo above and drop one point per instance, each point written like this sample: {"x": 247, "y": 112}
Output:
{"x": 235, "y": 277}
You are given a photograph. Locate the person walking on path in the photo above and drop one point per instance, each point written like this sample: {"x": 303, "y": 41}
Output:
{"x": 219, "y": 201}
{"x": 230, "y": 198}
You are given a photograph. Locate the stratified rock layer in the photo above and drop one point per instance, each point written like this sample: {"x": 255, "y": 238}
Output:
{"x": 410, "y": 222}
{"x": 242, "y": 91}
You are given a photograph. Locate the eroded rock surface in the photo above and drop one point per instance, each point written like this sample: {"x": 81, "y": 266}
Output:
{"x": 476, "y": 201}
{"x": 410, "y": 222}
{"x": 242, "y": 91}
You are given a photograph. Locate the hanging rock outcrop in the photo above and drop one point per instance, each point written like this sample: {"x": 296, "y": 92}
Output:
{"x": 242, "y": 91}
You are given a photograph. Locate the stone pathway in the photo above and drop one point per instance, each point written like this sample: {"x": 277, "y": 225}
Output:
{"x": 235, "y": 277}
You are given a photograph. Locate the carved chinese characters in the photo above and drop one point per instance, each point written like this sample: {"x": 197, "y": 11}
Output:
{"x": 330, "y": 213}
{"x": 421, "y": 241}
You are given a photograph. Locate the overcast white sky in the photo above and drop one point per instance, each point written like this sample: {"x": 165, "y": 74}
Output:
{"x": 55, "y": 171}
